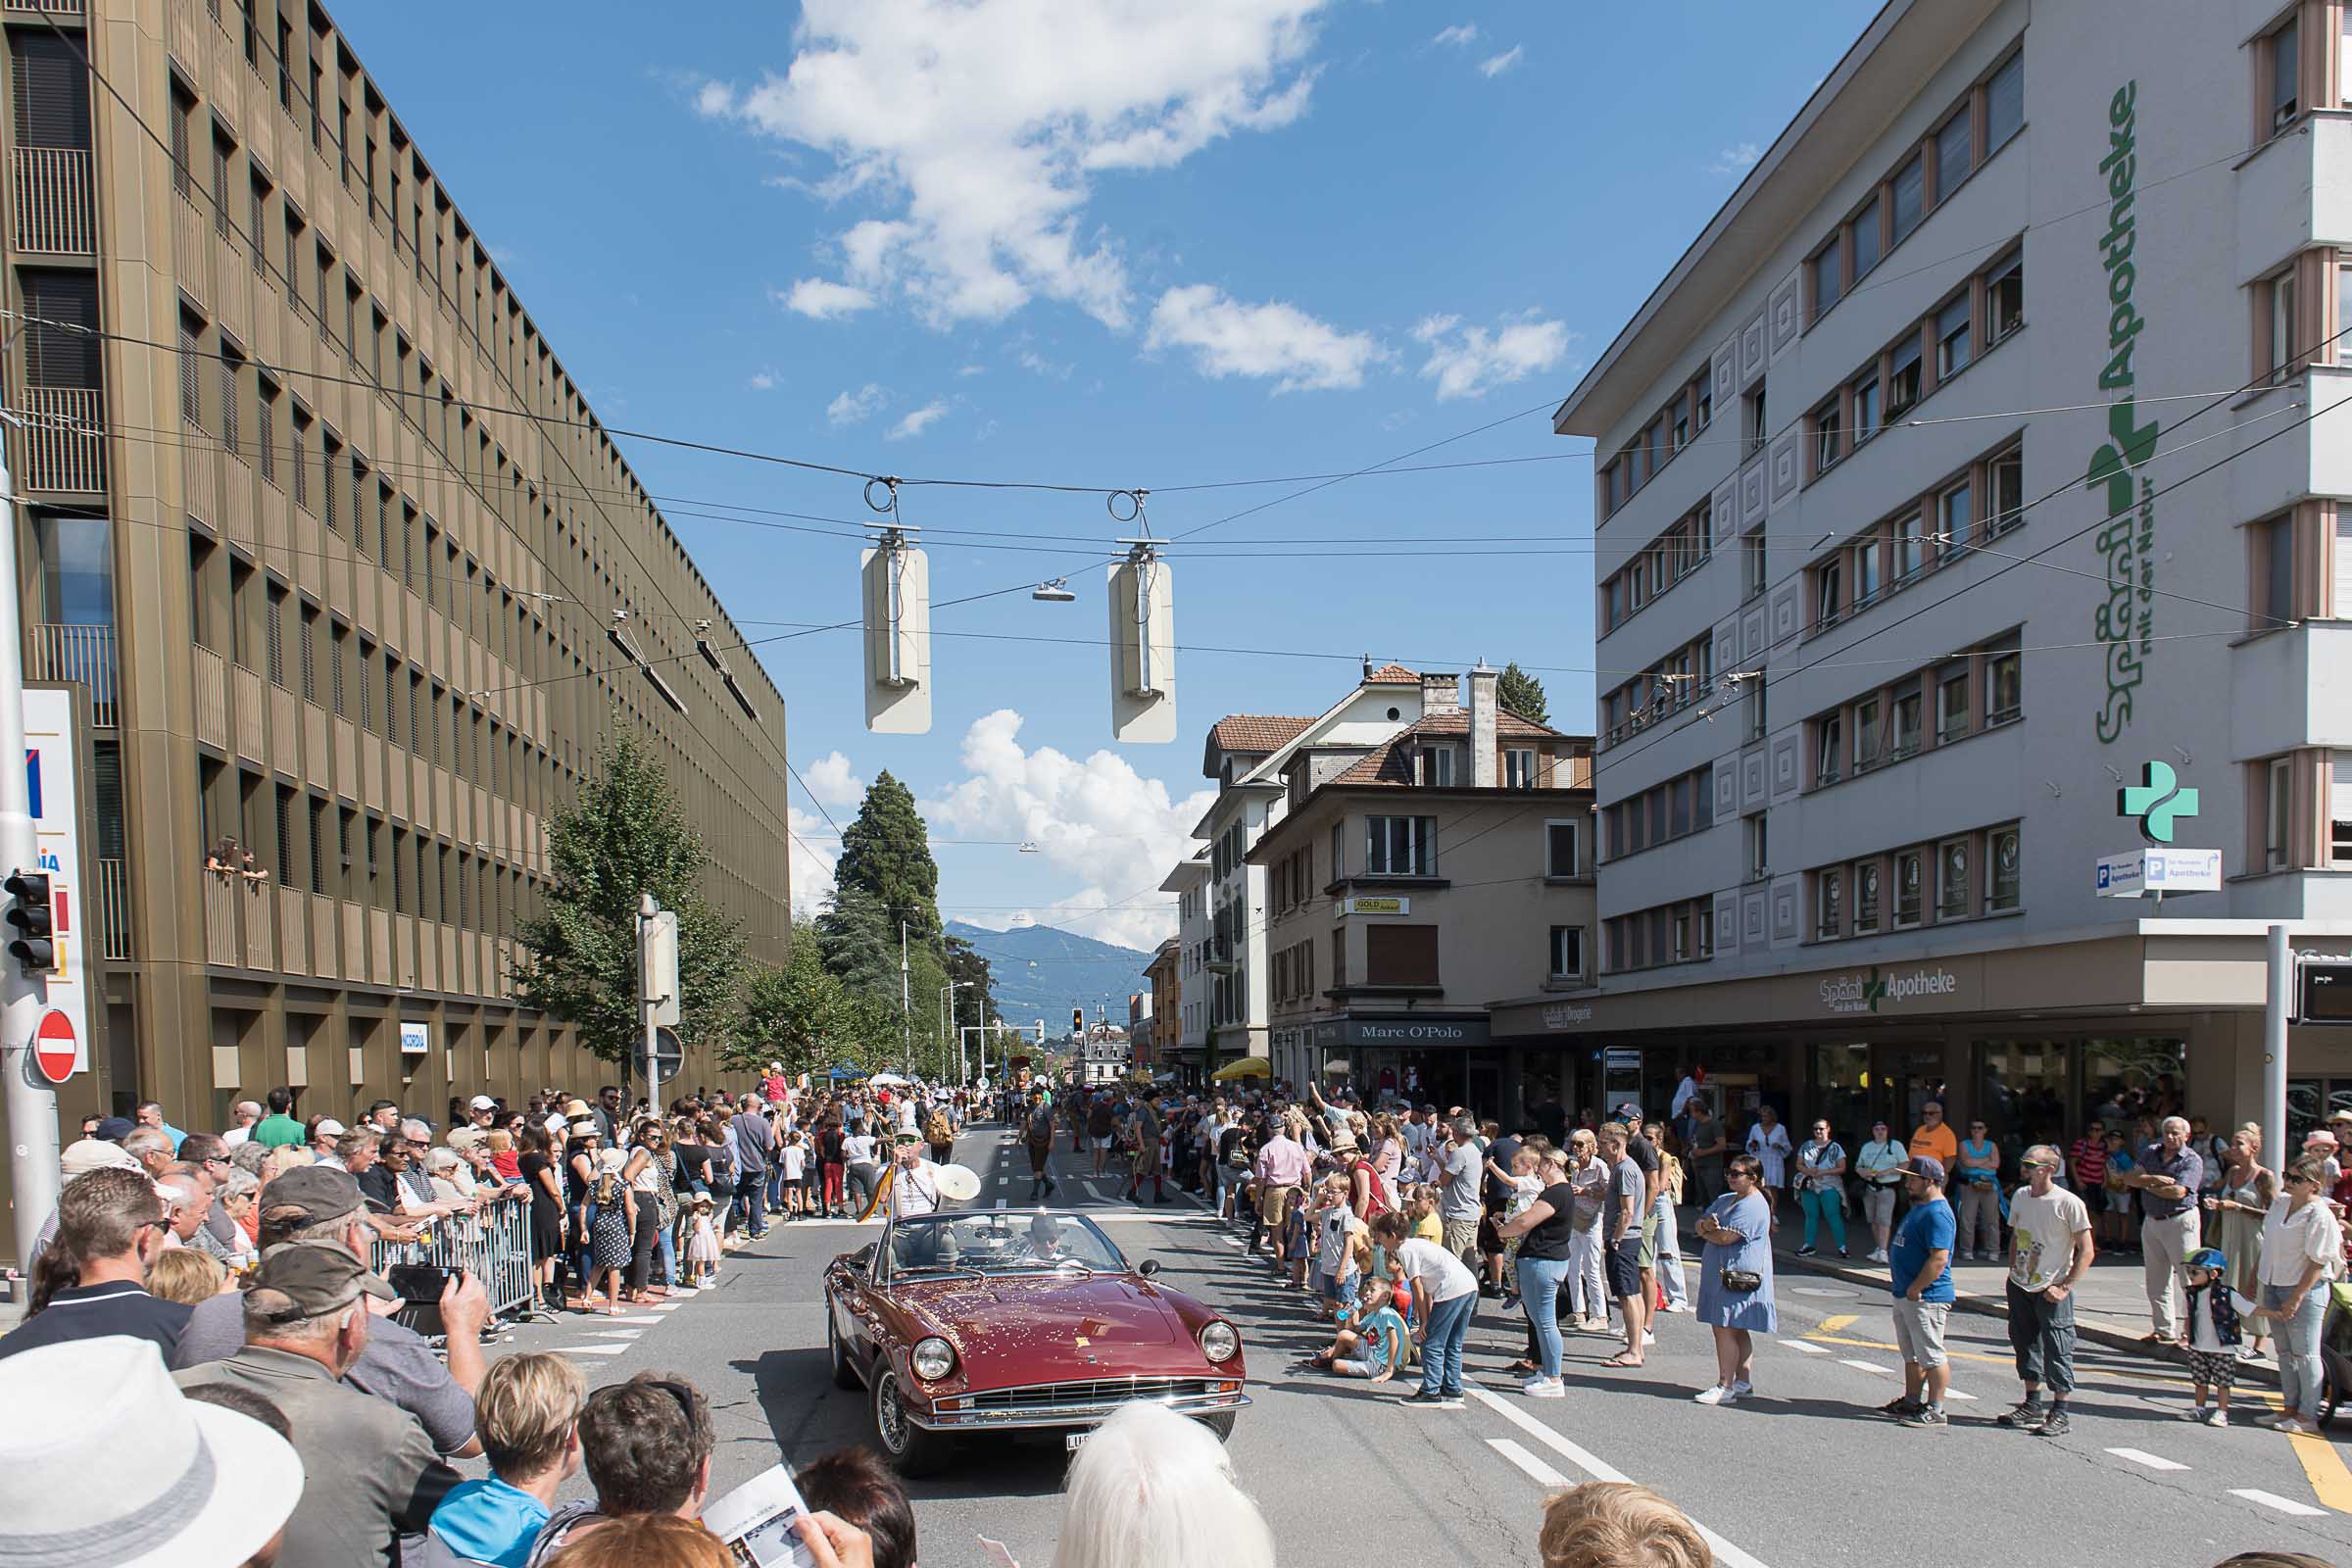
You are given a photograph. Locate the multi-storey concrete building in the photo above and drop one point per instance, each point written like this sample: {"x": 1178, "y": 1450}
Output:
{"x": 1165, "y": 972}
{"x": 341, "y": 563}
{"x": 1188, "y": 1048}
{"x": 1424, "y": 892}
{"x": 1928, "y": 518}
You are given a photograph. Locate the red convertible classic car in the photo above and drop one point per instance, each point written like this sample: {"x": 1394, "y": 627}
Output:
{"x": 987, "y": 1322}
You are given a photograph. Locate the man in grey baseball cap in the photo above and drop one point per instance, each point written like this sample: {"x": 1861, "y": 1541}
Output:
{"x": 320, "y": 1204}
{"x": 368, "y": 1471}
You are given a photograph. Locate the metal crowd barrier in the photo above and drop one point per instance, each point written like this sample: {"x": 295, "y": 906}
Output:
{"x": 495, "y": 1247}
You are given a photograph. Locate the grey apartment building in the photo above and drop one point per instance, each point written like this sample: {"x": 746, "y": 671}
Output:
{"x": 337, "y": 561}
{"x": 1981, "y": 451}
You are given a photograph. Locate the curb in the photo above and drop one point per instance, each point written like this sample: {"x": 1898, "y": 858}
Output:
{"x": 2264, "y": 1372}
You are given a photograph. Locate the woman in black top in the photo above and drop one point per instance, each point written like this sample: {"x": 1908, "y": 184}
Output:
{"x": 547, "y": 1210}
{"x": 1543, "y": 1230}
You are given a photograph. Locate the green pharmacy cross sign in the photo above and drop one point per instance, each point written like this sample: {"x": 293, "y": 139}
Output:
{"x": 2158, "y": 801}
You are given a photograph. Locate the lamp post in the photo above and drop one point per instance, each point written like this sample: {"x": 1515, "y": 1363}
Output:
{"x": 946, "y": 1024}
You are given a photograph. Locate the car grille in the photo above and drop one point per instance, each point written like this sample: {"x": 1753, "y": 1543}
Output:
{"x": 1096, "y": 1391}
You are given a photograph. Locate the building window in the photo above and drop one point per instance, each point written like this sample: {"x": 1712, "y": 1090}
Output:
{"x": 2284, "y": 47}
{"x": 2339, "y": 809}
{"x": 2005, "y": 103}
{"x": 1753, "y": 565}
{"x": 2001, "y": 853}
{"x": 1866, "y": 406}
{"x": 1829, "y": 593}
{"x": 1954, "y": 518}
{"x": 1826, "y": 268}
{"x": 2273, "y": 542}
{"x": 1867, "y": 247}
{"x": 1519, "y": 768}
{"x": 1866, "y": 734}
{"x": 2003, "y": 687}
{"x": 1828, "y": 896}
{"x": 1756, "y": 705}
{"x": 1906, "y": 721}
{"x": 1400, "y": 846}
{"x": 1828, "y": 431}
{"x": 1434, "y": 766}
{"x": 1561, "y": 847}
{"x": 1759, "y": 848}
{"x": 1951, "y": 706}
{"x": 1866, "y": 898}
{"x": 1567, "y": 952}
{"x": 1828, "y": 741}
{"x": 1909, "y": 196}
{"x": 1903, "y": 378}
{"x": 2278, "y": 837}
{"x": 1955, "y": 153}
{"x": 1951, "y": 880}
{"x": 1755, "y": 419}
{"x": 2283, "y": 357}
{"x": 1908, "y": 890}
{"x": 1954, "y": 345}
{"x": 1910, "y": 548}
{"x": 1870, "y": 570}
{"x": 2005, "y": 299}
{"x": 2007, "y": 503}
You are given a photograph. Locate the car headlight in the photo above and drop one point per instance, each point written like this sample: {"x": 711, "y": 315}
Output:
{"x": 1220, "y": 1342}
{"x": 933, "y": 1359}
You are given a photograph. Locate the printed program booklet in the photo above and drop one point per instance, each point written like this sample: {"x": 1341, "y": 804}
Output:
{"x": 756, "y": 1521}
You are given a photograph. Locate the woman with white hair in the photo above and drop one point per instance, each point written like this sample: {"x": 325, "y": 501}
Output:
{"x": 1154, "y": 1489}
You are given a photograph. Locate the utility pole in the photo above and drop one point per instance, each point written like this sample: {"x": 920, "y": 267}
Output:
{"x": 32, "y": 1102}
{"x": 2278, "y": 1004}
{"x": 656, "y": 984}
{"x": 906, "y": 1005}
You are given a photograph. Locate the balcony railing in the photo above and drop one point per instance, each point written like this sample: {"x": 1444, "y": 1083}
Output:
{"x": 51, "y": 188}
{"x": 84, "y": 654}
{"x": 109, "y": 904}
{"x": 64, "y": 435}
{"x": 55, "y": 8}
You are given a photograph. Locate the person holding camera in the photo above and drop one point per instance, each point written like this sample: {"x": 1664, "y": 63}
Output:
{"x": 1734, "y": 1280}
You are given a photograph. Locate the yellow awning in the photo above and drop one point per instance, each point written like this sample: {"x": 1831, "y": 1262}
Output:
{"x": 1246, "y": 1067}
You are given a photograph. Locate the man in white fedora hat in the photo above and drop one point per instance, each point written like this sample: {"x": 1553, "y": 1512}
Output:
{"x": 370, "y": 1472}
{"x": 187, "y": 1485}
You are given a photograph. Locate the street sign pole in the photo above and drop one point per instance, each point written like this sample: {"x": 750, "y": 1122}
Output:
{"x": 33, "y": 1172}
{"x": 647, "y": 906}
{"x": 2277, "y": 1006}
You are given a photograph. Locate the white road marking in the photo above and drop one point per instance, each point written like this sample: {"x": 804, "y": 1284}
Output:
{"x": 2143, "y": 1457}
{"x": 1535, "y": 1469}
{"x": 1955, "y": 1394}
{"x": 1867, "y": 1366}
{"x": 1232, "y": 1241}
{"x": 1816, "y": 1290}
{"x": 646, "y": 1318}
{"x": 1799, "y": 1345}
{"x": 2272, "y": 1500}
{"x": 1726, "y": 1554}
{"x": 618, "y": 1334}
{"x": 594, "y": 1349}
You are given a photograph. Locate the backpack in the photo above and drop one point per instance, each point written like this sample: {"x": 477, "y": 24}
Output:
{"x": 1379, "y": 1203}
{"x": 936, "y": 1131}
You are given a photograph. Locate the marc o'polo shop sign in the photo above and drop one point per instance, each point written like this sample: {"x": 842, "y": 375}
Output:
{"x": 1402, "y": 1034}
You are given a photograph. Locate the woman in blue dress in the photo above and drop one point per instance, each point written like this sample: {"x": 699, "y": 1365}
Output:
{"x": 1737, "y": 1231}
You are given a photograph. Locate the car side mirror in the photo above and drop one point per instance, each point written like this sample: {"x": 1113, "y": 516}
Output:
{"x": 863, "y": 1261}
{"x": 1148, "y": 1268}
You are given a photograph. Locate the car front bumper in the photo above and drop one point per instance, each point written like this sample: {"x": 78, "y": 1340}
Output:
{"x": 1076, "y": 1404}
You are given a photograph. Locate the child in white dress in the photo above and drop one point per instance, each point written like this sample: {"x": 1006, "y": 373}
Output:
{"x": 702, "y": 1248}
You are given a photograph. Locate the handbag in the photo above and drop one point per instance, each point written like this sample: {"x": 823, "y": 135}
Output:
{"x": 1741, "y": 1281}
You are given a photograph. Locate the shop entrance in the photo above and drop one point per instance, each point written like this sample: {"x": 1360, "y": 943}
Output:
{"x": 2309, "y": 1104}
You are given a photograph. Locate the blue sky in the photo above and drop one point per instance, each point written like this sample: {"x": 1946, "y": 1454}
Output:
{"x": 1114, "y": 244}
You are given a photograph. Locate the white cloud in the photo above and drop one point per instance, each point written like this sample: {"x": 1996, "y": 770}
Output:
{"x": 916, "y": 422}
{"x": 963, "y": 371}
{"x": 1496, "y": 65}
{"x": 830, "y": 781}
{"x": 1457, "y": 38}
{"x": 764, "y": 380}
{"x": 1037, "y": 364}
{"x": 1468, "y": 362}
{"x": 1095, "y": 820}
{"x": 811, "y": 849}
{"x": 979, "y": 127}
{"x": 1736, "y": 159}
{"x": 1278, "y": 340}
{"x": 821, "y": 300}
{"x": 849, "y": 407}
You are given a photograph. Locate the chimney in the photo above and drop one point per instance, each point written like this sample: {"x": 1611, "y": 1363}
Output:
{"x": 1483, "y": 708}
{"x": 1439, "y": 694}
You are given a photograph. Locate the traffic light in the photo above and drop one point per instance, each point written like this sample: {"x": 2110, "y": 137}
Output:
{"x": 1078, "y": 1020}
{"x": 28, "y": 915}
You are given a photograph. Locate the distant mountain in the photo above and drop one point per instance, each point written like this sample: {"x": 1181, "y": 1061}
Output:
{"x": 1039, "y": 973}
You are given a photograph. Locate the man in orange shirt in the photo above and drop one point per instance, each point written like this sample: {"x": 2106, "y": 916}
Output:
{"x": 1933, "y": 1137}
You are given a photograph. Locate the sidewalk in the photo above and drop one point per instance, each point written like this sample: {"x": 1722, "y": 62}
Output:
{"x": 2110, "y": 1304}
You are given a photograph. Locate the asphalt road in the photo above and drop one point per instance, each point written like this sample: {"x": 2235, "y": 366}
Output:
{"x": 1804, "y": 1476}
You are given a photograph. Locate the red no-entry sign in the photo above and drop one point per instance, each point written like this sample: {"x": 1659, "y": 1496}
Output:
{"x": 53, "y": 1045}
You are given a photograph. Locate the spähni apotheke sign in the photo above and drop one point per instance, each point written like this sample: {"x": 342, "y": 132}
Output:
{"x": 1868, "y": 993}
{"x": 2124, "y": 619}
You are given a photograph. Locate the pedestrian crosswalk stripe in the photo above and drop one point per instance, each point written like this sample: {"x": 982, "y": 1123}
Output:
{"x": 1867, "y": 1366}
{"x": 2143, "y": 1457}
{"x": 1535, "y": 1469}
{"x": 1726, "y": 1554}
{"x": 1799, "y": 1345}
{"x": 645, "y": 1318}
{"x": 2272, "y": 1500}
{"x": 618, "y": 1334}
{"x": 595, "y": 1350}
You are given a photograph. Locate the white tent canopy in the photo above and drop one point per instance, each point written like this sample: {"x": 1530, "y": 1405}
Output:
{"x": 886, "y": 1079}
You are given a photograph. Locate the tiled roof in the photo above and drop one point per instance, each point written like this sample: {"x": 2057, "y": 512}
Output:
{"x": 1255, "y": 732}
{"x": 1391, "y": 675}
{"x": 1391, "y": 762}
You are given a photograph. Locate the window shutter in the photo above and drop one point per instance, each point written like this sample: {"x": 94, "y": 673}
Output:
{"x": 55, "y": 356}
{"x": 52, "y": 92}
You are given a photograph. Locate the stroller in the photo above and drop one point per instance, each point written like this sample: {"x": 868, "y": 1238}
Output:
{"x": 2335, "y": 1350}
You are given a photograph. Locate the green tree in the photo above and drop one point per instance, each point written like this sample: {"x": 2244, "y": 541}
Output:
{"x": 794, "y": 1015}
{"x": 624, "y": 835}
{"x": 886, "y": 853}
{"x": 1522, "y": 694}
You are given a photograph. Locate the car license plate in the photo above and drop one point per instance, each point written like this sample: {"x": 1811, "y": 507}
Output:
{"x": 1075, "y": 1440}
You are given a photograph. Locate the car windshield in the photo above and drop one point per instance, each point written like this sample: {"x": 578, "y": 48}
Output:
{"x": 1000, "y": 1244}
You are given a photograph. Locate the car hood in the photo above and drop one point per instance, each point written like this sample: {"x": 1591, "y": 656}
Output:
{"x": 1025, "y": 1319}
